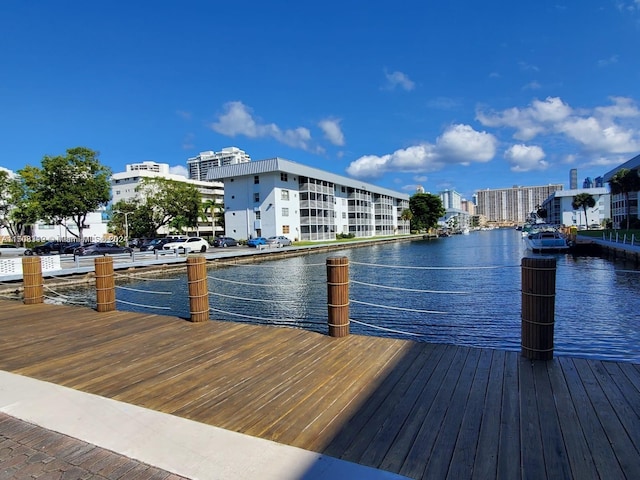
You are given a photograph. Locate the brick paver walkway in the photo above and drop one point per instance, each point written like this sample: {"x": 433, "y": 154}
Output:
{"x": 28, "y": 451}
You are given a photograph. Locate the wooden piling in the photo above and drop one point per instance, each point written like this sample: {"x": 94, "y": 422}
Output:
{"x": 105, "y": 284}
{"x": 338, "y": 296}
{"x": 538, "y": 307}
{"x": 198, "y": 290}
{"x": 32, "y": 280}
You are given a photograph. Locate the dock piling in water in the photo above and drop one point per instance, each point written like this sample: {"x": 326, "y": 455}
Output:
{"x": 198, "y": 290}
{"x": 32, "y": 280}
{"x": 338, "y": 296}
{"x": 105, "y": 284}
{"x": 538, "y": 307}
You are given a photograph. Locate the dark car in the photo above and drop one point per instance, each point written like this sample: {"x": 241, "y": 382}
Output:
{"x": 102, "y": 248}
{"x": 155, "y": 244}
{"x": 52, "y": 246}
{"x": 73, "y": 245}
{"x": 225, "y": 242}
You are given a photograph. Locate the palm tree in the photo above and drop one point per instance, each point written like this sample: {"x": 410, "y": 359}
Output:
{"x": 584, "y": 201}
{"x": 623, "y": 182}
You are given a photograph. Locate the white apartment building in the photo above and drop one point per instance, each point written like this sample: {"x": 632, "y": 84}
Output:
{"x": 280, "y": 197}
{"x": 124, "y": 184}
{"x": 199, "y": 166}
{"x": 561, "y": 212}
{"x": 95, "y": 229}
{"x": 512, "y": 205}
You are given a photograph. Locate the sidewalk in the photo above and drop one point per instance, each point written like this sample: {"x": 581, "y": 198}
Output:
{"x": 102, "y": 438}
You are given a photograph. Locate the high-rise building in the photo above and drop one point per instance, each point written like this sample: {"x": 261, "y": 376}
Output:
{"x": 573, "y": 179}
{"x": 512, "y": 205}
{"x": 199, "y": 166}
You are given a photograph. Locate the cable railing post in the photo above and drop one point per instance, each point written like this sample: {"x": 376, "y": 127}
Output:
{"x": 32, "y": 280}
{"x": 198, "y": 290}
{"x": 338, "y": 296}
{"x": 105, "y": 284}
{"x": 538, "y": 307}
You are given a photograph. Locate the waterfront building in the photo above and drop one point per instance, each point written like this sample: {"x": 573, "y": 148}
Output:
{"x": 561, "y": 212}
{"x": 199, "y": 165}
{"x": 280, "y": 197}
{"x": 94, "y": 229}
{"x": 456, "y": 217}
{"x": 618, "y": 201}
{"x": 124, "y": 187}
{"x": 512, "y": 206}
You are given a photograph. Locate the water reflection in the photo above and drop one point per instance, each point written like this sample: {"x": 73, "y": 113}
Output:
{"x": 597, "y": 301}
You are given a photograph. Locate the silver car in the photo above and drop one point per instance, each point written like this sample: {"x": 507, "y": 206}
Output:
{"x": 279, "y": 241}
{"x": 11, "y": 250}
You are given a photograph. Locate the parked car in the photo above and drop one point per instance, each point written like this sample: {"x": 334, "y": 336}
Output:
{"x": 101, "y": 248}
{"x": 255, "y": 242}
{"x": 155, "y": 244}
{"x": 188, "y": 245}
{"x": 225, "y": 242}
{"x": 11, "y": 250}
{"x": 279, "y": 241}
{"x": 73, "y": 245}
{"x": 52, "y": 246}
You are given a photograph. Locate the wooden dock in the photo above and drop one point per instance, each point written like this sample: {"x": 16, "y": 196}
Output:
{"x": 418, "y": 409}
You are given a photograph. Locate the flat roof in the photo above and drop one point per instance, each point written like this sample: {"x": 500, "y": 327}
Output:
{"x": 281, "y": 165}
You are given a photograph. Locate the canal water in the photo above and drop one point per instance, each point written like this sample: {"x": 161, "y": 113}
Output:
{"x": 462, "y": 290}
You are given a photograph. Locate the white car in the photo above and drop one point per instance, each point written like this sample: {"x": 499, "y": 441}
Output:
{"x": 10, "y": 250}
{"x": 188, "y": 245}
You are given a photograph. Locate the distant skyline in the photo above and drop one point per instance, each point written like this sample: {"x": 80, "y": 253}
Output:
{"x": 462, "y": 96}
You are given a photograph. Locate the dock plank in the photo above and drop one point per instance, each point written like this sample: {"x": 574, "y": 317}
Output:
{"x": 422, "y": 410}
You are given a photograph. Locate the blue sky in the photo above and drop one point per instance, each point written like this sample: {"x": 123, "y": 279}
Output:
{"x": 462, "y": 95}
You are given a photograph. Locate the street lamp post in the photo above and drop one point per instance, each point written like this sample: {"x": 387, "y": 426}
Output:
{"x": 126, "y": 225}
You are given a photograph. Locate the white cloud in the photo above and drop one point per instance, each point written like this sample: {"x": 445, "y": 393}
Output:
{"x": 10, "y": 173}
{"x": 622, "y": 108}
{"x": 238, "y": 120}
{"x": 524, "y": 158}
{"x": 332, "y": 131}
{"x": 459, "y": 144}
{"x": 598, "y": 130}
{"x": 179, "y": 170}
{"x": 608, "y": 61}
{"x": 398, "y": 79}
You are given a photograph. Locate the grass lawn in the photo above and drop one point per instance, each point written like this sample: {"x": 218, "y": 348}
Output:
{"x": 346, "y": 240}
{"x": 598, "y": 233}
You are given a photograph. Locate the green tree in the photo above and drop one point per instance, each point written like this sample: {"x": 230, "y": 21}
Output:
{"x": 623, "y": 182}
{"x": 166, "y": 201}
{"x": 426, "y": 210}
{"x": 17, "y": 213}
{"x": 122, "y": 219}
{"x": 68, "y": 187}
{"x": 406, "y": 215}
{"x": 584, "y": 201}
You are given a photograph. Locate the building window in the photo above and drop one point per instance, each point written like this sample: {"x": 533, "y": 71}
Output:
{"x": 256, "y": 197}
{"x": 284, "y": 177}
{"x": 285, "y": 212}
{"x": 258, "y": 215}
{"x": 284, "y": 195}
{"x": 256, "y": 179}
{"x": 285, "y": 229}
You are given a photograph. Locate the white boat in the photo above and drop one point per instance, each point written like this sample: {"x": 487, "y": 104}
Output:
{"x": 547, "y": 241}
